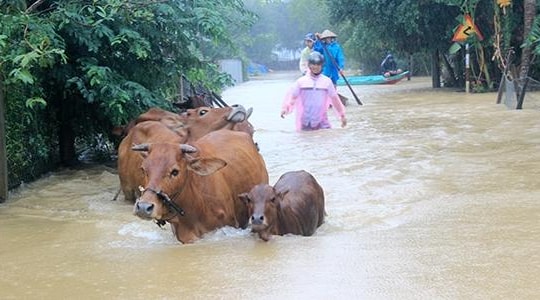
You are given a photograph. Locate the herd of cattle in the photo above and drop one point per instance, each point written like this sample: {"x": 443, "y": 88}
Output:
{"x": 201, "y": 170}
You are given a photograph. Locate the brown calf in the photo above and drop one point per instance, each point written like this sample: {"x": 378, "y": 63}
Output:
{"x": 294, "y": 205}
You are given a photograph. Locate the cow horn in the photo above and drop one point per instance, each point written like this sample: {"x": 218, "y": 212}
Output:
{"x": 140, "y": 147}
{"x": 187, "y": 148}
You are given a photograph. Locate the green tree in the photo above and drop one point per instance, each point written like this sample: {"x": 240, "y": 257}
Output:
{"x": 85, "y": 66}
{"x": 281, "y": 25}
{"x": 404, "y": 27}
{"x": 310, "y": 16}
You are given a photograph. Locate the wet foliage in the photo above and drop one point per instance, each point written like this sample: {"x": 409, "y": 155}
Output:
{"x": 72, "y": 70}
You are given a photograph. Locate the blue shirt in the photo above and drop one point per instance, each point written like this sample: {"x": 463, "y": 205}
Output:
{"x": 329, "y": 69}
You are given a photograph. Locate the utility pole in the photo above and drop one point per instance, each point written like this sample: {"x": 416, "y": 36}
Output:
{"x": 467, "y": 69}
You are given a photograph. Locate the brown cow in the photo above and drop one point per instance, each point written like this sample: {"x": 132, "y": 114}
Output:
{"x": 183, "y": 128}
{"x": 197, "y": 122}
{"x": 195, "y": 187}
{"x": 294, "y": 205}
{"x": 201, "y": 120}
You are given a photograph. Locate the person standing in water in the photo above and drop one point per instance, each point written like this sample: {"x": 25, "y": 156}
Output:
{"x": 334, "y": 58}
{"x": 311, "y": 97}
{"x": 309, "y": 40}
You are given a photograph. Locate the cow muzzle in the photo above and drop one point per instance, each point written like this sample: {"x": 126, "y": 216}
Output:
{"x": 257, "y": 220}
{"x": 147, "y": 210}
{"x": 144, "y": 210}
{"x": 258, "y": 223}
{"x": 239, "y": 113}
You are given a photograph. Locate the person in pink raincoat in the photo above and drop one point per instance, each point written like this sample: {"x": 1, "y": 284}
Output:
{"x": 311, "y": 96}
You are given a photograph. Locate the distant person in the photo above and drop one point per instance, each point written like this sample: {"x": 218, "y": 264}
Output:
{"x": 333, "y": 54}
{"x": 389, "y": 66}
{"x": 311, "y": 97}
{"x": 309, "y": 40}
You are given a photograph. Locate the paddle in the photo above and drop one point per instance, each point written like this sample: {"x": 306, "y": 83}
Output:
{"x": 343, "y": 76}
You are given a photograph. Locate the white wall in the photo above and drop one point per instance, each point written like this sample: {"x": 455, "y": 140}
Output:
{"x": 232, "y": 67}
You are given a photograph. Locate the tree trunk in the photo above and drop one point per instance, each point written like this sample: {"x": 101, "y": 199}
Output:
{"x": 451, "y": 78}
{"x": 529, "y": 8}
{"x": 66, "y": 135}
{"x": 435, "y": 70}
{"x": 66, "y": 139}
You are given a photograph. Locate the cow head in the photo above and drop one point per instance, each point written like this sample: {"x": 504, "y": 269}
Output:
{"x": 201, "y": 120}
{"x": 263, "y": 203}
{"x": 166, "y": 168}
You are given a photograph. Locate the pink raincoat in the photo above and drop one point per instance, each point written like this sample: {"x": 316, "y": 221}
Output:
{"x": 312, "y": 96}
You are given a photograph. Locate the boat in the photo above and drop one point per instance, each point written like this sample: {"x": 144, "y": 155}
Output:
{"x": 372, "y": 79}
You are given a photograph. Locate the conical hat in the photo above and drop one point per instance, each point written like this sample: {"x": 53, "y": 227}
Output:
{"x": 327, "y": 34}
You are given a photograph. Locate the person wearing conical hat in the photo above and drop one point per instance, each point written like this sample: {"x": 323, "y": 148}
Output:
{"x": 334, "y": 58}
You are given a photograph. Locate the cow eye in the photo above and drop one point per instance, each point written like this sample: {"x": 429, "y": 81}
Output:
{"x": 203, "y": 112}
{"x": 174, "y": 173}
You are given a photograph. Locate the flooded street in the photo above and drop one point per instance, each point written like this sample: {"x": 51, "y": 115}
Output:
{"x": 429, "y": 195}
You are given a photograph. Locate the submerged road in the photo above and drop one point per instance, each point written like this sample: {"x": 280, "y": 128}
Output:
{"x": 429, "y": 195}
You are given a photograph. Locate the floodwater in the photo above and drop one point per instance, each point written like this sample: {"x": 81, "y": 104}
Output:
{"x": 429, "y": 195}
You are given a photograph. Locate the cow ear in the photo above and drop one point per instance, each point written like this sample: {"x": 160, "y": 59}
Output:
{"x": 206, "y": 166}
{"x": 276, "y": 201}
{"x": 281, "y": 194}
{"x": 244, "y": 197}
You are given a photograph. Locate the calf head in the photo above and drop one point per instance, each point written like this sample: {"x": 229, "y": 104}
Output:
{"x": 201, "y": 120}
{"x": 263, "y": 204}
{"x": 166, "y": 170}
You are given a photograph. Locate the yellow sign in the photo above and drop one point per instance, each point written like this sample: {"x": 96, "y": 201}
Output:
{"x": 465, "y": 30}
{"x": 504, "y": 3}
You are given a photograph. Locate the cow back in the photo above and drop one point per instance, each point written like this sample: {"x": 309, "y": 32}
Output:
{"x": 245, "y": 165}
{"x": 169, "y": 119}
{"x": 302, "y": 206}
{"x": 172, "y": 120}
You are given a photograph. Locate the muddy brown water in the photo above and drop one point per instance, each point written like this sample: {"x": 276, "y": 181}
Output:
{"x": 429, "y": 194}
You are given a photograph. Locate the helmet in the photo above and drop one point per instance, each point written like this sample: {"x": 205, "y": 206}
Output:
{"x": 310, "y": 36}
{"x": 315, "y": 58}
